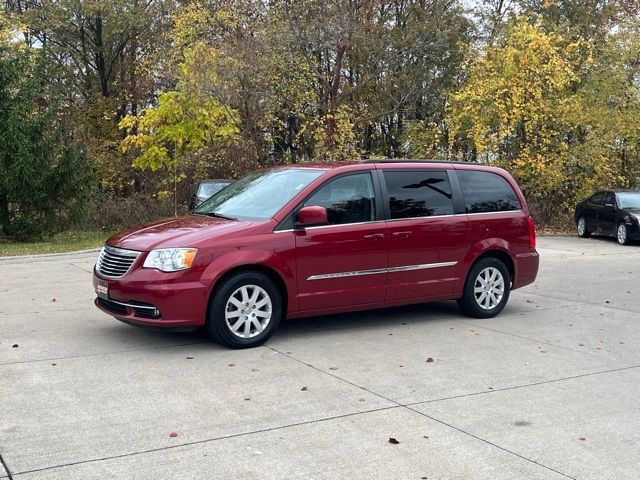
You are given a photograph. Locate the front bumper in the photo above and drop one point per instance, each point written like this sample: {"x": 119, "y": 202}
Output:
{"x": 151, "y": 298}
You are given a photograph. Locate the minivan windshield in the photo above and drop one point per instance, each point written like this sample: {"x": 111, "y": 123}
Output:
{"x": 629, "y": 199}
{"x": 259, "y": 195}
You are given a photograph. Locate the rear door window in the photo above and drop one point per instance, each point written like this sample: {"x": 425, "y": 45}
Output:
{"x": 418, "y": 193}
{"x": 486, "y": 192}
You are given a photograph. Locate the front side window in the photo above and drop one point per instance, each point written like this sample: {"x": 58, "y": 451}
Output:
{"x": 610, "y": 199}
{"x": 259, "y": 195}
{"x": 348, "y": 199}
{"x": 596, "y": 199}
{"x": 486, "y": 192}
{"x": 418, "y": 193}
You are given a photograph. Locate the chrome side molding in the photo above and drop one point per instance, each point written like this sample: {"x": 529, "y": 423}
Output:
{"x": 377, "y": 271}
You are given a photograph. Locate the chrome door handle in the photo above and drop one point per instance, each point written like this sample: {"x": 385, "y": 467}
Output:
{"x": 374, "y": 236}
{"x": 401, "y": 234}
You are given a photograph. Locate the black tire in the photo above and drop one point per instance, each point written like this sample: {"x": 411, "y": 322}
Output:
{"x": 469, "y": 304}
{"x": 623, "y": 238}
{"x": 582, "y": 231}
{"x": 217, "y": 325}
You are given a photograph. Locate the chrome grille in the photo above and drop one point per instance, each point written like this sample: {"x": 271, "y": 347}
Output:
{"x": 115, "y": 262}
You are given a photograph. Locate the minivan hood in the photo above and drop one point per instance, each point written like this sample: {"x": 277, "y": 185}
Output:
{"x": 174, "y": 232}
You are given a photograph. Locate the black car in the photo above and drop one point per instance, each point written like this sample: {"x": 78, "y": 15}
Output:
{"x": 206, "y": 189}
{"x": 614, "y": 212}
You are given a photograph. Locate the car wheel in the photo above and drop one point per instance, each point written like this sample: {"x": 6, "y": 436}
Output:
{"x": 245, "y": 310}
{"x": 582, "y": 228}
{"x": 487, "y": 288}
{"x": 622, "y": 234}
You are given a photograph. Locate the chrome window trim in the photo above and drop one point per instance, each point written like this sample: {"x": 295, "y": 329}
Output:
{"x": 377, "y": 271}
{"x": 397, "y": 220}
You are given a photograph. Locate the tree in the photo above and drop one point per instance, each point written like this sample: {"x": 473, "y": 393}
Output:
{"x": 515, "y": 110}
{"x": 43, "y": 178}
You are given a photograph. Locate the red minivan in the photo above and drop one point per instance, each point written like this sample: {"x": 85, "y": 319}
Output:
{"x": 312, "y": 239}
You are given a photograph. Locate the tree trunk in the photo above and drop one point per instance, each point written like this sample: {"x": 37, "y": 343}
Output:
{"x": 335, "y": 89}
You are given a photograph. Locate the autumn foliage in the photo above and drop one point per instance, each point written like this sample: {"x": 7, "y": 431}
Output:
{"x": 158, "y": 94}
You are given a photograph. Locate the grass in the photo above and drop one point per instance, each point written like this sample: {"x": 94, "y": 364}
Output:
{"x": 62, "y": 242}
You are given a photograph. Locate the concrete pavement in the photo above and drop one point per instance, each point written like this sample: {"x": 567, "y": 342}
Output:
{"x": 547, "y": 390}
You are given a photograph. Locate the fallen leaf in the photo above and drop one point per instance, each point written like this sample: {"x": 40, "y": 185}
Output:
{"x": 231, "y": 365}
{"x": 15, "y": 345}
{"x": 304, "y": 389}
{"x": 429, "y": 360}
{"x": 490, "y": 388}
{"x": 581, "y": 344}
{"x": 255, "y": 370}
{"x": 607, "y": 301}
{"x": 393, "y": 441}
{"x": 189, "y": 358}
{"x": 391, "y": 334}
{"x": 333, "y": 368}
{"x": 543, "y": 351}
{"x": 400, "y": 366}
{"x": 289, "y": 353}
{"x": 425, "y": 436}
{"x": 361, "y": 399}
{"x": 246, "y": 399}
{"x": 53, "y": 300}
{"x": 582, "y": 438}
{"x": 54, "y": 364}
{"x": 173, "y": 434}
{"x": 529, "y": 301}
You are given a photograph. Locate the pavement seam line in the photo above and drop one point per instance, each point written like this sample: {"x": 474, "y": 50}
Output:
{"x": 532, "y": 339}
{"x": 526, "y": 385}
{"x": 6, "y": 468}
{"x": 206, "y": 440}
{"x": 73, "y": 357}
{"x": 490, "y": 443}
{"x": 407, "y": 407}
{"x": 591, "y": 304}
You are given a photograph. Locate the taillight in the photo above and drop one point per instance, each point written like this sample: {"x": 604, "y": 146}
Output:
{"x": 532, "y": 232}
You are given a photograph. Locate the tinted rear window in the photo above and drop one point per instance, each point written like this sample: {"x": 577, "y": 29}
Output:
{"x": 418, "y": 193}
{"x": 486, "y": 192}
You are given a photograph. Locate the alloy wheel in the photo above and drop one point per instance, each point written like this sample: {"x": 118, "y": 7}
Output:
{"x": 248, "y": 311}
{"x": 489, "y": 288}
{"x": 581, "y": 227}
{"x": 622, "y": 234}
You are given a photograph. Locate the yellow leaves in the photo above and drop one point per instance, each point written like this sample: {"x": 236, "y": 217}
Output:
{"x": 180, "y": 123}
{"x": 516, "y": 104}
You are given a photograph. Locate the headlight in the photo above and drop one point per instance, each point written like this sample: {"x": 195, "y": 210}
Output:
{"x": 170, "y": 259}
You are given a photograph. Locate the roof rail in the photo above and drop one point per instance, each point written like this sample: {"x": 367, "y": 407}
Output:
{"x": 412, "y": 160}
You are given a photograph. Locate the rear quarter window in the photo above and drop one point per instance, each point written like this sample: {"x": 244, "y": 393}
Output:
{"x": 486, "y": 192}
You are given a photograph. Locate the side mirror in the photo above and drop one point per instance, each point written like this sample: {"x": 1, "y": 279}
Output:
{"x": 313, "y": 215}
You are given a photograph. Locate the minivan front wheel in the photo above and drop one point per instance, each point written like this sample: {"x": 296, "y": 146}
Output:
{"x": 245, "y": 310}
{"x": 486, "y": 289}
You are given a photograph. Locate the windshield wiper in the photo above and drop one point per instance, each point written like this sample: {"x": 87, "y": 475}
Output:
{"x": 219, "y": 215}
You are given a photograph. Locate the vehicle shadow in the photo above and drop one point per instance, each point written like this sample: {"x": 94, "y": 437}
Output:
{"x": 371, "y": 319}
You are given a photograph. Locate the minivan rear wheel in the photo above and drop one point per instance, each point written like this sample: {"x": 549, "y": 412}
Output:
{"x": 487, "y": 288}
{"x": 245, "y": 310}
